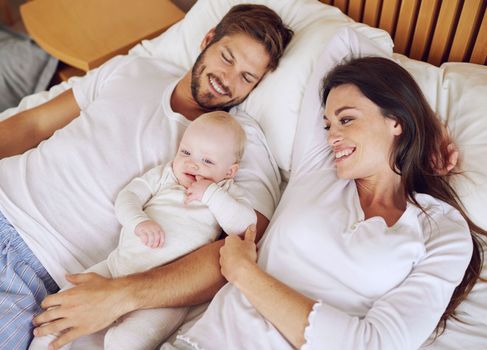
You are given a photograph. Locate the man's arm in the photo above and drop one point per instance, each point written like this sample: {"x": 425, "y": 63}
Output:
{"x": 28, "y": 128}
{"x": 96, "y": 302}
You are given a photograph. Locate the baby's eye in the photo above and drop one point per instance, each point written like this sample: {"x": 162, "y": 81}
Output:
{"x": 186, "y": 153}
{"x": 207, "y": 161}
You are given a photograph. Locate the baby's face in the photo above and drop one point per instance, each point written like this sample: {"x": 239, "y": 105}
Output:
{"x": 206, "y": 150}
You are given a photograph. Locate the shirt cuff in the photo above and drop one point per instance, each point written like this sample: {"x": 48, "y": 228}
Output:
{"x": 210, "y": 191}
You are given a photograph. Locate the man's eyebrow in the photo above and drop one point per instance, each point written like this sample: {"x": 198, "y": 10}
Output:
{"x": 229, "y": 52}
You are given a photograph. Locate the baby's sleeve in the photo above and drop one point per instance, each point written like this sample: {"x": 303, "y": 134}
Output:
{"x": 231, "y": 208}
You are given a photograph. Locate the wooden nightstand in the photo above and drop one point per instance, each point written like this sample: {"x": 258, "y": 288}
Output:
{"x": 85, "y": 33}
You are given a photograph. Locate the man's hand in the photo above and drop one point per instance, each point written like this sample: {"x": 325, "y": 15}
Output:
{"x": 93, "y": 304}
{"x": 197, "y": 189}
{"x": 151, "y": 233}
{"x": 238, "y": 254}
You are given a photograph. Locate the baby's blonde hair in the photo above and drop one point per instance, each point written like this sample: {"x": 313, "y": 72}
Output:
{"x": 225, "y": 120}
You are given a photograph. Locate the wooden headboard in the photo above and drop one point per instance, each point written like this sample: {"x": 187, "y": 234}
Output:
{"x": 434, "y": 31}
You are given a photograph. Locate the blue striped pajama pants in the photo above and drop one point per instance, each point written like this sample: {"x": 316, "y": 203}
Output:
{"x": 24, "y": 283}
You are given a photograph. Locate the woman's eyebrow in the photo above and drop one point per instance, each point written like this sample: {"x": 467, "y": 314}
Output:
{"x": 339, "y": 110}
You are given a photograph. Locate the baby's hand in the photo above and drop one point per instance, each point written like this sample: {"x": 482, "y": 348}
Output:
{"x": 150, "y": 233}
{"x": 197, "y": 189}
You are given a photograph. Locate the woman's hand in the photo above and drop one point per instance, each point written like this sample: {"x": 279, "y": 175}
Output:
{"x": 238, "y": 255}
{"x": 443, "y": 167}
{"x": 447, "y": 159}
{"x": 281, "y": 305}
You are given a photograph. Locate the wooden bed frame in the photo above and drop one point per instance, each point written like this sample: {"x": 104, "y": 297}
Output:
{"x": 433, "y": 31}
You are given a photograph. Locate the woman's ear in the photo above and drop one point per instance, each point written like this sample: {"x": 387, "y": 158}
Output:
{"x": 232, "y": 171}
{"x": 396, "y": 127}
{"x": 207, "y": 39}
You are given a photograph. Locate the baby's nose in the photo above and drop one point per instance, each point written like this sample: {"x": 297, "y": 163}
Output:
{"x": 192, "y": 164}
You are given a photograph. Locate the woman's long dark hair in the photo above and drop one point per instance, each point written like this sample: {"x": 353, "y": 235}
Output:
{"x": 421, "y": 145}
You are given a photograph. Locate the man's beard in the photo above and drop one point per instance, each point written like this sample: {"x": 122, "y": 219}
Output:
{"x": 204, "y": 100}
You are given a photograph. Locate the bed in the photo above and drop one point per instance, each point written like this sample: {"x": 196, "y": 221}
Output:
{"x": 433, "y": 31}
{"x": 426, "y": 35}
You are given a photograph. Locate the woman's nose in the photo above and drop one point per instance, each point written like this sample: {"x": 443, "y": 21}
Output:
{"x": 334, "y": 136}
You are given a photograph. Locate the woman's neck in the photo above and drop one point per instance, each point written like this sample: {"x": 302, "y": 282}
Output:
{"x": 382, "y": 196}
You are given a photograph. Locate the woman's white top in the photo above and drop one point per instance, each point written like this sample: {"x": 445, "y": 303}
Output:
{"x": 376, "y": 287}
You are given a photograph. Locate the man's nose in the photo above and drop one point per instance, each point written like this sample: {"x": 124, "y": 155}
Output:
{"x": 229, "y": 77}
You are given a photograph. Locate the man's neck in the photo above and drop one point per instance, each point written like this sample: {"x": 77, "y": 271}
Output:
{"x": 182, "y": 100}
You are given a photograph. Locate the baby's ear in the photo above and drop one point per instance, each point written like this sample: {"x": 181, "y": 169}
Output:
{"x": 232, "y": 171}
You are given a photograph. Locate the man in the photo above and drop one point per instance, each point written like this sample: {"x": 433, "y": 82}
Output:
{"x": 65, "y": 161}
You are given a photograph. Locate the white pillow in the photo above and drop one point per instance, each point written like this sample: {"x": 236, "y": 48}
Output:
{"x": 276, "y": 101}
{"x": 458, "y": 93}
{"x": 463, "y": 103}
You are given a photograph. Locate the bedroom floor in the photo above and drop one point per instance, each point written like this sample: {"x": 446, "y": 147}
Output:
{"x": 24, "y": 67}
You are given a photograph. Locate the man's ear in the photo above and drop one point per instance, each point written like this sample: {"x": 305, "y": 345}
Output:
{"x": 232, "y": 171}
{"x": 208, "y": 37}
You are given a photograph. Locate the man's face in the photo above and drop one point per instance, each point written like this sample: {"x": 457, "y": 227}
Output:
{"x": 227, "y": 71}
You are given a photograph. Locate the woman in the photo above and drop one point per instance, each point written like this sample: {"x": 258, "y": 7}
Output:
{"x": 369, "y": 247}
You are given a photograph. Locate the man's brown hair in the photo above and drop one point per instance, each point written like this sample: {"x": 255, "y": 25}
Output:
{"x": 262, "y": 24}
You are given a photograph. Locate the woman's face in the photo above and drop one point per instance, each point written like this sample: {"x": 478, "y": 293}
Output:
{"x": 360, "y": 136}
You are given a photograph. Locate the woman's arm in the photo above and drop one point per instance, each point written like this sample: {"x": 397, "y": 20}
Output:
{"x": 402, "y": 318}
{"x": 284, "y": 307}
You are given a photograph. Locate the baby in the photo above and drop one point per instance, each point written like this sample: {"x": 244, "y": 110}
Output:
{"x": 169, "y": 211}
